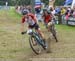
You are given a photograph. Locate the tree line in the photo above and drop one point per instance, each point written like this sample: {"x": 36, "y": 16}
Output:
{"x": 27, "y": 2}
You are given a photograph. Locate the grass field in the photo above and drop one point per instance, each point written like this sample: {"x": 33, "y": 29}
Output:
{"x": 15, "y": 47}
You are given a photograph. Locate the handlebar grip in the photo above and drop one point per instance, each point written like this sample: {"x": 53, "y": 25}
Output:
{"x": 23, "y": 32}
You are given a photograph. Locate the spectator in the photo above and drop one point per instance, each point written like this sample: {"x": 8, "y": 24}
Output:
{"x": 63, "y": 11}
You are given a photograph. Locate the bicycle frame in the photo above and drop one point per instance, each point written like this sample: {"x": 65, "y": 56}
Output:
{"x": 37, "y": 37}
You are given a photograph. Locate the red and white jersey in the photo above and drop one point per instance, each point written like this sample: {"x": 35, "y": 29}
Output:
{"x": 31, "y": 20}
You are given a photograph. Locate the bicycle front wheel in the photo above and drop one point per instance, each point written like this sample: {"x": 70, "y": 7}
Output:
{"x": 35, "y": 45}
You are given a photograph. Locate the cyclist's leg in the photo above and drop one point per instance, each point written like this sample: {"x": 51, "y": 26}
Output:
{"x": 37, "y": 29}
{"x": 33, "y": 40}
{"x": 29, "y": 29}
{"x": 49, "y": 26}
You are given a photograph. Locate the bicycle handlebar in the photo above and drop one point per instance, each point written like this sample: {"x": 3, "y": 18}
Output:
{"x": 23, "y": 32}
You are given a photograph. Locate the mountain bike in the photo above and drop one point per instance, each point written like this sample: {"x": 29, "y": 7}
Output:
{"x": 39, "y": 44}
{"x": 53, "y": 31}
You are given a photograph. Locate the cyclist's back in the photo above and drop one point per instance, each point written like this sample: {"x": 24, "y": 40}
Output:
{"x": 47, "y": 16}
{"x": 32, "y": 23}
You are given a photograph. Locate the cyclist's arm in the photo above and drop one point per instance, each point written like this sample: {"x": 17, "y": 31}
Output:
{"x": 22, "y": 24}
{"x": 22, "y": 27}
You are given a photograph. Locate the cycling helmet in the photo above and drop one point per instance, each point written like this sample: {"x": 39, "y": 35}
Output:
{"x": 48, "y": 11}
{"x": 24, "y": 12}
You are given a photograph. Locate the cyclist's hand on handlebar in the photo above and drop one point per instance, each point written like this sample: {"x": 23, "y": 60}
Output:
{"x": 22, "y": 33}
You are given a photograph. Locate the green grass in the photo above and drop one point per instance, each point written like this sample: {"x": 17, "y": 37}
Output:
{"x": 15, "y": 47}
{"x": 66, "y": 27}
{"x": 12, "y": 12}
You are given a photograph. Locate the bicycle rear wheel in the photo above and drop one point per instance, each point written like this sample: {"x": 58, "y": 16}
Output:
{"x": 37, "y": 49}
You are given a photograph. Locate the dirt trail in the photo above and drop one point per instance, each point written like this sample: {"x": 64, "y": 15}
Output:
{"x": 13, "y": 46}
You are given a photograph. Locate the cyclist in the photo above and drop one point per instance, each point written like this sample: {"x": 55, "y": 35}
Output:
{"x": 49, "y": 21}
{"x": 47, "y": 16}
{"x": 32, "y": 22}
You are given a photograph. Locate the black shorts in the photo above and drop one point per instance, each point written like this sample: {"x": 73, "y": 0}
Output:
{"x": 36, "y": 26}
